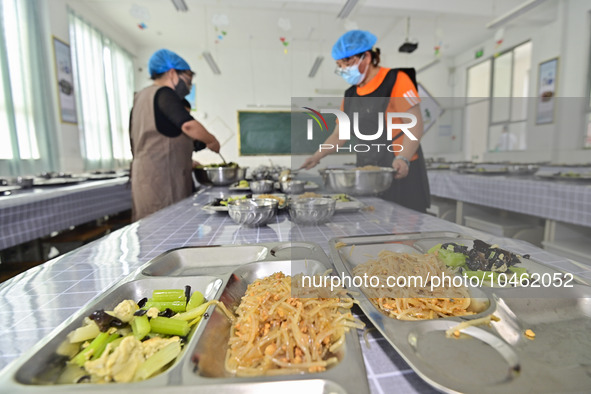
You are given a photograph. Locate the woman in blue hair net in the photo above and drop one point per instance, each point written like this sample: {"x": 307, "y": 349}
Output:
{"x": 377, "y": 90}
{"x": 162, "y": 136}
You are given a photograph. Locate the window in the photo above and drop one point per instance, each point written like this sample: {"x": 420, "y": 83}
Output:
{"x": 508, "y": 107}
{"x": 27, "y": 121}
{"x": 496, "y": 103}
{"x": 104, "y": 76}
{"x": 477, "y": 109}
{"x": 588, "y": 131}
{"x": 587, "y": 142}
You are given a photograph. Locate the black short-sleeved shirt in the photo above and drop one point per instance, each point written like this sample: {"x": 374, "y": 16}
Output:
{"x": 170, "y": 112}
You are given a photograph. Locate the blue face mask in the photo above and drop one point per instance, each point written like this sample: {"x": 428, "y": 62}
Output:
{"x": 352, "y": 75}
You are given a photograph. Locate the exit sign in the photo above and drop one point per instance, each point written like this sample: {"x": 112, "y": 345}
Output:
{"x": 478, "y": 53}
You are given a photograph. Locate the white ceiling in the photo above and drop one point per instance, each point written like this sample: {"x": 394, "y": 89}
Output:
{"x": 457, "y": 24}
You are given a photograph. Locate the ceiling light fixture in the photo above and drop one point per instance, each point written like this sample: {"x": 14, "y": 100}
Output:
{"x": 315, "y": 66}
{"x": 347, "y": 8}
{"x": 180, "y": 5}
{"x": 212, "y": 64}
{"x": 515, "y": 13}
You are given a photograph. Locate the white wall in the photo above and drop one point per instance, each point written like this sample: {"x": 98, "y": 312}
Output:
{"x": 444, "y": 138}
{"x": 574, "y": 70}
{"x": 567, "y": 38}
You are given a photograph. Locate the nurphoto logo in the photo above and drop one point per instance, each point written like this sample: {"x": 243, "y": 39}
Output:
{"x": 344, "y": 125}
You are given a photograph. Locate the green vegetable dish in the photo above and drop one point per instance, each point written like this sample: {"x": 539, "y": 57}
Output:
{"x": 484, "y": 261}
{"x": 223, "y": 202}
{"x": 134, "y": 341}
{"x": 220, "y": 165}
{"x": 341, "y": 198}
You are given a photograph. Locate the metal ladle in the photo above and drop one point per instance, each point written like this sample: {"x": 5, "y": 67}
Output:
{"x": 224, "y": 160}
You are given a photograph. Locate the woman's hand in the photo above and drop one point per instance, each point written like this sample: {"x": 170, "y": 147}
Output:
{"x": 310, "y": 162}
{"x": 401, "y": 168}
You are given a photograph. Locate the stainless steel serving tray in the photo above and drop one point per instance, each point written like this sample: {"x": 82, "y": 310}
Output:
{"x": 224, "y": 208}
{"x": 222, "y": 273}
{"x": 497, "y": 359}
{"x": 353, "y": 205}
{"x": 57, "y": 181}
{"x": 484, "y": 171}
{"x": 582, "y": 177}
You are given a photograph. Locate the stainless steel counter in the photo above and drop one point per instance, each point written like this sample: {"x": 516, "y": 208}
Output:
{"x": 37, "y": 301}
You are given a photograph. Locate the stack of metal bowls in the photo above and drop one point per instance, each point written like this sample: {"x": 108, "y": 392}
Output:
{"x": 262, "y": 186}
{"x": 523, "y": 169}
{"x": 220, "y": 176}
{"x": 313, "y": 210}
{"x": 252, "y": 212}
{"x": 293, "y": 187}
{"x": 268, "y": 172}
{"x": 260, "y": 174}
{"x": 358, "y": 181}
{"x": 25, "y": 182}
{"x": 462, "y": 166}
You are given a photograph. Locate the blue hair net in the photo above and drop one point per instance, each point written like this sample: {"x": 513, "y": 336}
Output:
{"x": 163, "y": 60}
{"x": 353, "y": 42}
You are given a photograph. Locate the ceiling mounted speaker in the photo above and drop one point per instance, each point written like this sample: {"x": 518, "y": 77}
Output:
{"x": 408, "y": 47}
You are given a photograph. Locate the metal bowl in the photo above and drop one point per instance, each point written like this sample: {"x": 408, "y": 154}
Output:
{"x": 220, "y": 176}
{"x": 359, "y": 182}
{"x": 253, "y": 212}
{"x": 263, "y": 186}
{"x": 292, "y": 187}
{"x": 523, "y": 169}
{"x": 260, "y": 174}
{"x": 462, "y": 165}
{"x": 25, "y": 182}
{"x": 311, "y": 210}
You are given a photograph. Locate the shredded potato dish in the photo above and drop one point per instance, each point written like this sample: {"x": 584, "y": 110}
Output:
{"x": 277, "y": 334}
{"x": 413, "y": 302}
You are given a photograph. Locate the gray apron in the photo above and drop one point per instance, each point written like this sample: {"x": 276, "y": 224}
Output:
{"x": 161, "y": 170}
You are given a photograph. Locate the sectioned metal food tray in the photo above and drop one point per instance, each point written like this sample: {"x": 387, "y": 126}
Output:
{"x": 221, "y": 273}
{"x": 498, "y": 358}
{"x": 485, "y": 171}
{"x": 567, "y": 176}
{"x": 353, "y": 205}
{"x": 57, "y": 181}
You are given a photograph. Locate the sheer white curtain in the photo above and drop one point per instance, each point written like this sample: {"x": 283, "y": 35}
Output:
{"x": 27, "y": 119}
{"x": 104, "y": 77}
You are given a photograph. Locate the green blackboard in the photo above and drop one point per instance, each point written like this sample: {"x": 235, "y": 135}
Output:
{"x": 279, "y": 133}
